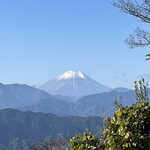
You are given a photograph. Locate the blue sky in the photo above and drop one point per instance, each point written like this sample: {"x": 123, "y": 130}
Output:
{"x": 40, "y": 39}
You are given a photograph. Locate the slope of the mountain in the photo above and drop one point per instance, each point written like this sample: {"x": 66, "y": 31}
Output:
{"x": 90, "y": 105}
{"x": 19, "y": 95}
{"x": 53, "y": 104}
{"x": 74, "y": 84}
{"x": 94, "y": 104}
{"x": 121, "y": 89}
{"x": 19, "y": 129}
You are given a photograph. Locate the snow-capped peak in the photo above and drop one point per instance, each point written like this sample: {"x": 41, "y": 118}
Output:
{"x": 71, "y": 74}
{"x": 74, "y": 84}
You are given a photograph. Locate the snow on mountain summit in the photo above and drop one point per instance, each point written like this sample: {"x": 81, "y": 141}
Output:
{"x": 71, "y": 74}
{"x": 74, "y": 84}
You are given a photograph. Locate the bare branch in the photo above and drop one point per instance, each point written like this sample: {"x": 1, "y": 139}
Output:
{"x": 141, "y": 11}
{"x": 139, "y": 38}
{"x": 50, "y": 145}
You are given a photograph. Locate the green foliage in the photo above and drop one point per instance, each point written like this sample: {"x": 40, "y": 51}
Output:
{"x": 129, "y": 128}
{"x": 148, "y": 57}
{"x": 141, "y": 90}
{"x": 86, "y": 141}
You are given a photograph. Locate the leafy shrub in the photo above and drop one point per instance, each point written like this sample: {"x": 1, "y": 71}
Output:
{"x": 85, "y": 141}
{"x": 129, "y": 128}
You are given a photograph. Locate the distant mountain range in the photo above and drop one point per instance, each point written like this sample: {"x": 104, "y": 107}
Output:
{"x": 90, "y": 105}
{"x": 73, "y": 84}
{"x": 21, "y": 129}
{"x": 19, "y": 95}
{"x": 121, "y": 89}
{"x": 26, "y": 98}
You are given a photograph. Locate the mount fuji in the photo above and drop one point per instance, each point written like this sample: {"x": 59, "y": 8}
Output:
{"x": 73, "y": 84}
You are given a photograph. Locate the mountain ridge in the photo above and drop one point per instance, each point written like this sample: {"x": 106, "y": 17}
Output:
{"x": 24, "y": 97}
{"x": 21, "y": 129}
{"x": 17, "y": 95}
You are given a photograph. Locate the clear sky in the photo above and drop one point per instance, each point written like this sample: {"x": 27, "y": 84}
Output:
{"x": 40, "y": 39}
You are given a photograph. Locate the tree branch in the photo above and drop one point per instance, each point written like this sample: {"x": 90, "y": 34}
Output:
{"x": 141, "y": 11}
{"x": 139, "y": 38}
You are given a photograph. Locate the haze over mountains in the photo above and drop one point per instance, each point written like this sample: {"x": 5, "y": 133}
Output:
{"x": 18, "y": 95}
{"x": 26, "y": 98}
{"x": 74, "y": 84}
